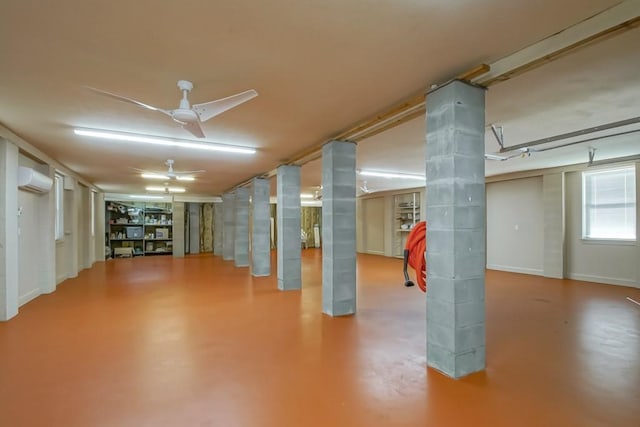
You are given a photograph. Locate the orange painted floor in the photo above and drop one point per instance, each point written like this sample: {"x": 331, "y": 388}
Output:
{"x": 158, "y": 341}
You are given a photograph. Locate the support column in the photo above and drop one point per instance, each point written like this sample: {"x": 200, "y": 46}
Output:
{"x": 455, "y": 214}
{"x": 194, "y": 227}
{"x": 100, "y": 226}
{"x": 553, "y": 199}
{"x": 228, "y": 225}
{"x": 339, "y": 228}
{"x": 261, "y": 229}
{"x": 241, "y": 229}
{"x": 9, "y": 266}
{"x": 177, "y": 229}
{"x": 217, "y": 229}
{"x": 288, "y": 228}
{"x": 47, "y": 247}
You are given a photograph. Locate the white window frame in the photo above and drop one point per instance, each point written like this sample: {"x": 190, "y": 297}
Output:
{"x": 588, "y": 204}
{"x": 59, "y": 196}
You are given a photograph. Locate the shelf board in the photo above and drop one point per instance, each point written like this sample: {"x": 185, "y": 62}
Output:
{"x": 158, "y": 240}
{"x": 125, "y": 240}
{"x": 158, "y": 253}
{"x": 158, "y": 225}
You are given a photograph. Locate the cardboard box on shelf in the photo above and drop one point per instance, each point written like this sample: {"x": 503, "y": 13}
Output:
{"x": 162, "y": 233}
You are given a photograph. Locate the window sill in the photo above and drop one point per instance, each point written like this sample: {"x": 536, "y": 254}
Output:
{"x": 611, "y": 242}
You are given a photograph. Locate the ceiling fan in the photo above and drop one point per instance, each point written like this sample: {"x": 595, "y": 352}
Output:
{"x": 186, "y": 115}
{"x": 365, "y": 189}
{"x": 170, "y": 173}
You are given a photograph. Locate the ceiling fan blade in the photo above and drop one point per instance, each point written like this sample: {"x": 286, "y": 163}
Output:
{"x": 194, "y": 128}
{"x": 211, "y": 109}
{"x": 129, "y": 100}
{"x": 189, "y": 172}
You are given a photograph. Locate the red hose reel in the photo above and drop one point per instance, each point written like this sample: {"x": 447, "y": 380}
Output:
{"x": 414, "y": 256}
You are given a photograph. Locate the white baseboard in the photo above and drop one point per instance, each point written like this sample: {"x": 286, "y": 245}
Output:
{"x": 23, "y": 299}
{"x": 512, "y": 269}
{"x": 603, "y": 279}
{"x": 375, "y": 252}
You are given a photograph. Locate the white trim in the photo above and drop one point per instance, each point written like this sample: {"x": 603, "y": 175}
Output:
{"x": 565, "y": 38}
{"x": 374, "y": 252}
{"x": 23, "y": 299}
{"x": 611, "y": 242}
{"x": 604, "y": 279}
{"x": 513, "y": 269}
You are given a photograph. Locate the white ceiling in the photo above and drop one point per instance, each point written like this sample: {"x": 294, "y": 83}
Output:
{"x": 319, "y": 67}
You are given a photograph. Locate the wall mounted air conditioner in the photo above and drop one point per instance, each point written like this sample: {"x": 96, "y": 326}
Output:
{"x": 34, "y": 181}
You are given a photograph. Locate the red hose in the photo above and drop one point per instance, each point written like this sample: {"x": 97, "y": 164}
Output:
{"x": 417, "y": 246}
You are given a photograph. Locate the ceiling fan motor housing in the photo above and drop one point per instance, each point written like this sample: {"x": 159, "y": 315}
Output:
{"x": 184, "y": 115}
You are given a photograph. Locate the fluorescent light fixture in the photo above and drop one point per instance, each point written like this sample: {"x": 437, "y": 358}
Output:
{"x": 306, "y": 196}
{"x": 158, "y": 176}
{"x": 117, "y": 136}
{"x": 392, "y": 175}
{"x": 170, "y": 189}
{"x": 153, "y": 176}
{"x": 144, "y": 196}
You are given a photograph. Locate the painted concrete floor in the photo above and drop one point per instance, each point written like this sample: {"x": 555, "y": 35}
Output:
{"x": 158, "y": 341}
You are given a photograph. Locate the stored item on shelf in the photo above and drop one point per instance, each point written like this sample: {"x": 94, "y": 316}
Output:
{"x": 134, "y": 232}
{"x": 162, "y": 233}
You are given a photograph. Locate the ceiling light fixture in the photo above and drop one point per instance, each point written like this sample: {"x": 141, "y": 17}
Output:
{"x": 153, "y": 176}
{"x": 306, "y": 196}
{"x": 169, "y": 189}
{"x": 117, "y": 136}
{"x": 392, "y": 175}
{"x": 145, "y": 196}
{"x": 165, "y": 177}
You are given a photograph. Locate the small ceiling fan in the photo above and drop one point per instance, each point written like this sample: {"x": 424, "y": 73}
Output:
{"x": 365, "y": 189}
{"x": 186, "y": 115}
{"x": 170, "y": 173}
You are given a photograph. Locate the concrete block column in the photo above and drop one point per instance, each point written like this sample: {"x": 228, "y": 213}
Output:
{"x": 178, "y": 236}
{"x": 9, "y": 266}
{"x": 339, "y": 228}
{"x": 217, "y": 229}
{"x": 194, "y": 227}
{"x": 288, "y": 228}
{"x": 228, "y": 218}
{"x": 99, "y": 226}
{"x": 455, "y": 215}
{"x": 554, "y": 226}
{"x": 241, "y": 229}
{"x": 261, "y": 229}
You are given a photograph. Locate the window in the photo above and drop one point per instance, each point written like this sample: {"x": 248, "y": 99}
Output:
{"x": 59, "y": 188}
{"x": 609, "y": 204}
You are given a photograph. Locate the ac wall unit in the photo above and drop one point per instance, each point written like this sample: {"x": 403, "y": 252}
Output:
{"x": 34, "y": 181}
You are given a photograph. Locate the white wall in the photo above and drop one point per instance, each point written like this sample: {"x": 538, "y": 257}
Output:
{"x": 515, "y": 226}
{"x": 29, "y": 255}
{"x": 605, "y": 262}
{"x": 374, "y": 227}
{"x": 521, "y": 202}
{"x": 367, "y": 214}
{"x": 35, "y": 268}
